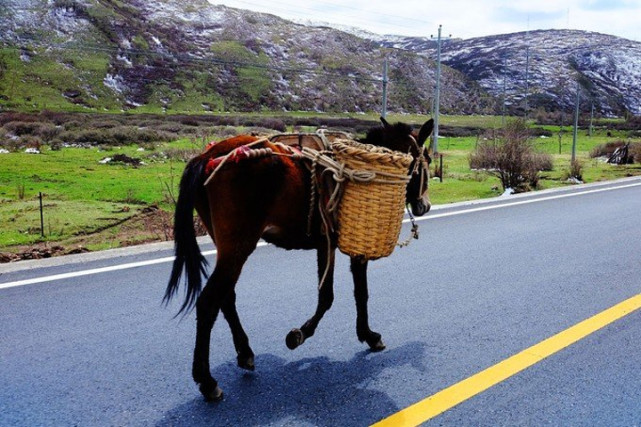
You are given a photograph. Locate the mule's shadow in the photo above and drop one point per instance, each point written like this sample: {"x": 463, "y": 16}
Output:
{"x": 312, "y": 391}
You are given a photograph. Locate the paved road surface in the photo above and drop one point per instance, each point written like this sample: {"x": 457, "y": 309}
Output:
{"x": 484, "y": 282}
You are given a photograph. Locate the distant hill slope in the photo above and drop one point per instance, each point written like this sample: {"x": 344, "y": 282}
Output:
{"x": 191, "y": 56}
{"x": 172, "y": 55}
{"x": 607, "y": 67}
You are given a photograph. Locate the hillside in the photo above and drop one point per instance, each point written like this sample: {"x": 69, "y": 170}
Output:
{"x": 175, "y": 56}
{"x": 607, "y": 67}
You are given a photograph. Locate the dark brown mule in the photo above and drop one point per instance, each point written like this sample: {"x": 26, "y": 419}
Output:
{"x": 267, "y": 197}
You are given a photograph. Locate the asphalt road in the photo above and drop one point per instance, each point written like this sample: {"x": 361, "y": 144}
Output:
{"x": 485, "y": 281}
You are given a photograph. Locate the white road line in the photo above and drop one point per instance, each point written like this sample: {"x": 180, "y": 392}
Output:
{"x": 84, "y": 272}
{"x": 521, "y": 202}
{"x": 211, "y": 252}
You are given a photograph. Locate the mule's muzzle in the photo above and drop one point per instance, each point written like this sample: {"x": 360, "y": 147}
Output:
{"x": 420, "y": 207}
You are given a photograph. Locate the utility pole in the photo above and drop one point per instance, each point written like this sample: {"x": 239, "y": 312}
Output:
{"x": 527, "y": 79}
{"x": 527, "y": 68}
{"x": 576, "y": 122}
{"x": 591, "y": 119}
{"x": 385, "y": 81}
{"x": 504, "y": 91}
{"x": 437, "y": 96}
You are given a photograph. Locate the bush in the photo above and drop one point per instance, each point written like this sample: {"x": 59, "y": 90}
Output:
{"x": 121, "y": 135}
{"x": 47, "y": 131}
{"x": 30, "y": 141}
{"x": 16, "y": 117}
{"x": 226, "y": 131}
{"x": 20, "y": 128}
{"x": 181, "y": 154}
{"x": 509, "y": 154}
{"x": 272, "y": 123}
{"x": 635, "y": 152}
{"x": 575, "y": 171}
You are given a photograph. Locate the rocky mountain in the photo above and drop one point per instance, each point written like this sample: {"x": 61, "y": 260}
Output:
{"x": 545, "y": 65}
{"x": 173, "y": 55}
{"x": 178, "y": 56}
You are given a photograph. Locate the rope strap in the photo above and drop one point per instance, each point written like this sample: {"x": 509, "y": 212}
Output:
{"x": 339, "y": 173}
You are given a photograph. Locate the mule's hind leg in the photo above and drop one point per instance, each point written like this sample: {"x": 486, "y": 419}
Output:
{"x": 364, "y": 333}
{"x": 219, "y": 288}
{"x": 245, "y": 355}
{"x": 325, "y": 298}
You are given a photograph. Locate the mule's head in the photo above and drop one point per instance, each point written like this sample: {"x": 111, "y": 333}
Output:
{"x": 401, "y": 137}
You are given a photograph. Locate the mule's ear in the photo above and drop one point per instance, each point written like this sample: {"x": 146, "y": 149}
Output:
{"x": 385, "y": 124}
{"x": 425, "y": 131}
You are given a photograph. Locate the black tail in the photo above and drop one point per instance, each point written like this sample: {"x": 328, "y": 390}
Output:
{"x": 188, "y": 255}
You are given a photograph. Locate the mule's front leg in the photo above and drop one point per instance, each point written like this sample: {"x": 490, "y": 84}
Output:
{"x": 325, "y": 298}
{"x": 364, "y": 333}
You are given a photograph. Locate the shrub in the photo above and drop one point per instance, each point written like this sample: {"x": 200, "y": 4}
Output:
{"x": 635, "y": 151}
{"x": 121, "y": 135}
{"x": 16, "y": 117}
{"x": 272, "y": 123}
{"x": 181, "y": 154}
{"x": 104, "y": 124}
{"x": 575, "y": 171}
{"x": 30, "y": 141}
{"x": 73, "y": 124}
{"x": 47, "y": 131}
{"x": 189, "y": 121}
{"x": 226, "y": 131}
{"x": 172, "y": 127}
{"x": 509, "y": 154}
{"x": 20, "y": 128}
{"x": 55, "y": 144}
{"x": 543, "y": 162}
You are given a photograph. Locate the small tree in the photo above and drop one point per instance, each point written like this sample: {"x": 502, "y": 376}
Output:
{"x": 509, "y": 154}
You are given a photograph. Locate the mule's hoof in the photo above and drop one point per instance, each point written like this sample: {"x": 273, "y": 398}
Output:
{"x": 215, "y": 395}
{"x": 246, "y": 363}
{"x": 377, "y": 346}
{"x": 294, "y": 338}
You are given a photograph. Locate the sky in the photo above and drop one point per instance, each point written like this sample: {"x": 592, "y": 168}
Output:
{"x": 460, "y": 18}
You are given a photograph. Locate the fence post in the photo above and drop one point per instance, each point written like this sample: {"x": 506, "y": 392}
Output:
{"x": 42, "y": 221}
{"x": 440, "y": 175}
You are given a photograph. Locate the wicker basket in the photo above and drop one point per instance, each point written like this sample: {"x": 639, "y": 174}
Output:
{"x": 370, "y": 213}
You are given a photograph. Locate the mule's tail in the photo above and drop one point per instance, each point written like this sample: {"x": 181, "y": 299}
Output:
{"x": 188, "y": 255}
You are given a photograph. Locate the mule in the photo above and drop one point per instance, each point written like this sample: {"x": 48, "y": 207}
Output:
{"x": 267, "y": 197}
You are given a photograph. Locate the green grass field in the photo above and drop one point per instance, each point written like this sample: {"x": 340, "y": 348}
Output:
{"x": 82, "y": 196}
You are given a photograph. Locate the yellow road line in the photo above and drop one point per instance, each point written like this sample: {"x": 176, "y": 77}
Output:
{"x": 445, "y": 399}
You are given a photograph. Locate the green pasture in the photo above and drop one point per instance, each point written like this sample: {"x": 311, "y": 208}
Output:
{"x": 461, "y": 184}
{"x": 81, "y": 195}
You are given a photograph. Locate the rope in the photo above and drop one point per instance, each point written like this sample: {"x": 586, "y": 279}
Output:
{"x": 232, "y": 153}
{"x": 339, "y": 173}
{"x": 413, "y": 232}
